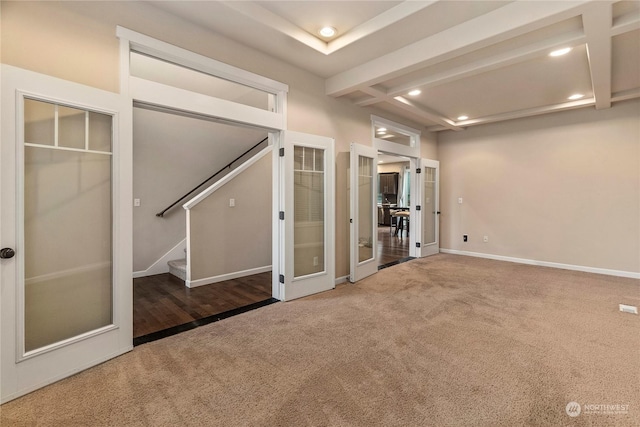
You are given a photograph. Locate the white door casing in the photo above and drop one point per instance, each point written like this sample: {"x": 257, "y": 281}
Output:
{"x": 24, "y": 371}
{"x": 428, "y": 220}
{"x": 363, "y": 212}
{"x": 307, "y": 206}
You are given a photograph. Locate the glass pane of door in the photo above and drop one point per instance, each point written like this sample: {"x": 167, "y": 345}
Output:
{"x": 429, "y": 206}
{"x": 365, "y": 218}
{"x": 309, "y": 221}
{"x": 67, "y": 226}
{"x": 363, "y": 212}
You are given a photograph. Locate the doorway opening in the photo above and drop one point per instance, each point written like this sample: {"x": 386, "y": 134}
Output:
{"x": 192, "y": 264}
{"x": 211, "y": 123}
{"x": 393, "y": 206}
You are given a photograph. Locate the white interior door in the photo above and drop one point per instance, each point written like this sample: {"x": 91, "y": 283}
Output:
{"x": 308, "y": 218}
{"x": 65, "y": 291}
{"x": 363, "y": 202}
{"x": 429, "y": 193}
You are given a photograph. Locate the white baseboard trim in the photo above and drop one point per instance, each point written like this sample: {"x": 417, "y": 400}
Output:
{"x": 608, "y": 272}
{"x": 160, "y": 266}
{"x": 228, "y": 276}
{"x": 342, "y": 279}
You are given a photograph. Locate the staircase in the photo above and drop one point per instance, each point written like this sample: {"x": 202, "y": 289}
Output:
{"x": 178, "y": 267}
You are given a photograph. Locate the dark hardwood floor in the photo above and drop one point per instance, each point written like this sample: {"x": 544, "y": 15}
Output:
{"x": 391, "y": 248}
{"x": 163, "y": 301}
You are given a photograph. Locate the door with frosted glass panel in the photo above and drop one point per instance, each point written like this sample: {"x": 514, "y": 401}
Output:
{"x": 429, "y": 181}
{"x": 58, "y": 311}
{"x": 67, "y": 223}
{"x": 363, "y": 223}
{"x": 307, "y": 221}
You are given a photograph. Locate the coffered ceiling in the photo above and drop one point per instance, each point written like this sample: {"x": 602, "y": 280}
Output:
{"x": 487, "y": 61}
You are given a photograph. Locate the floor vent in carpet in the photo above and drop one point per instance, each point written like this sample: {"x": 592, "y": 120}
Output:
{"x": 629, "y": 309}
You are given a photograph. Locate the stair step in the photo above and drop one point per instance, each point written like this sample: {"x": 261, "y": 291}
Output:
{"x": 178, "y": 267}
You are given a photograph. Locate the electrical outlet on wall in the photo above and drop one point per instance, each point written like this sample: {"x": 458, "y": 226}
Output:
{"x": 485, "y": 239}
{"x": 315, "y": 261}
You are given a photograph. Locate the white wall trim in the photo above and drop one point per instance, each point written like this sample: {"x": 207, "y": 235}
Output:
{"x": 161, "y": 95}
{"x": 161, "y": 266}
{"x": 168, "y": 52}
{"x": 391, "y": 124}
{"x": 228, "y": 276}
{"x": 227, "y": 178}
{"x": 596, "y": 270}
{"x": 383, "y": 145}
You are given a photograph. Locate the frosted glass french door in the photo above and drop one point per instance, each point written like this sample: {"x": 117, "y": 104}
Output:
{"x": 363, "y": 208}
{"x": 307, "y": 224}
{"x": 429, "y": 185}
{"x": 64, "y": 306}
{"x": 67, "y": 222}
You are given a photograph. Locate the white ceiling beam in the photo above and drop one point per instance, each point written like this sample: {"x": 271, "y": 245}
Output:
{"x": 492, "y": 63}
{"x": 266, "y": 17}
{"x": 429, "y": 114}
{"x": 521, "y": 114}
{"x": 416, "y": 110}
{"x": 366, "y": 102}
{"x": 506, "y": 22}
{"x": 625, "y": 23}
{"x": 377, "y": 23}
{"x": 597, "y": 20}
{"x": 625, "y": 95}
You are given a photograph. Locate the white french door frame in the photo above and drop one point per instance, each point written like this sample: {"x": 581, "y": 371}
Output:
{"x": 151, "y": 93}
{"x": 23, "y": 372}
{"x": 296, "y": 287}
{"x": 358, "y": 270}
{"x": 428, "y": 248}
{"x": 412, "y": 151}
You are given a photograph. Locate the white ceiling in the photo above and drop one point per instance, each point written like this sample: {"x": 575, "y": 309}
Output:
{"x": 487, "y": 60}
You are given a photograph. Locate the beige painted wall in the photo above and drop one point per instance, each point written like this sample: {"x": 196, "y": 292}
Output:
{"x": 560, "y": 188}
{"x": 76, "y": 41}
{"x": 230, "y": 239}
{"x": 171, "y": 155}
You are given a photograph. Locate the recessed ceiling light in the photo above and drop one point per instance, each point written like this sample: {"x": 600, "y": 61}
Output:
{"x": 560, "y": 52}
{"x": 380, "y": 161}
{"x": 327, "y": 31}
{"x": 382, "y": 130}
{"x": 463, "y": 117}
{"x": 415, "y": 92}
{"x": 576, "y": 96}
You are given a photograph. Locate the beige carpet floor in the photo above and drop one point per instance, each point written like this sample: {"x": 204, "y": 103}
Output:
{"x": 443, "y": 341}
